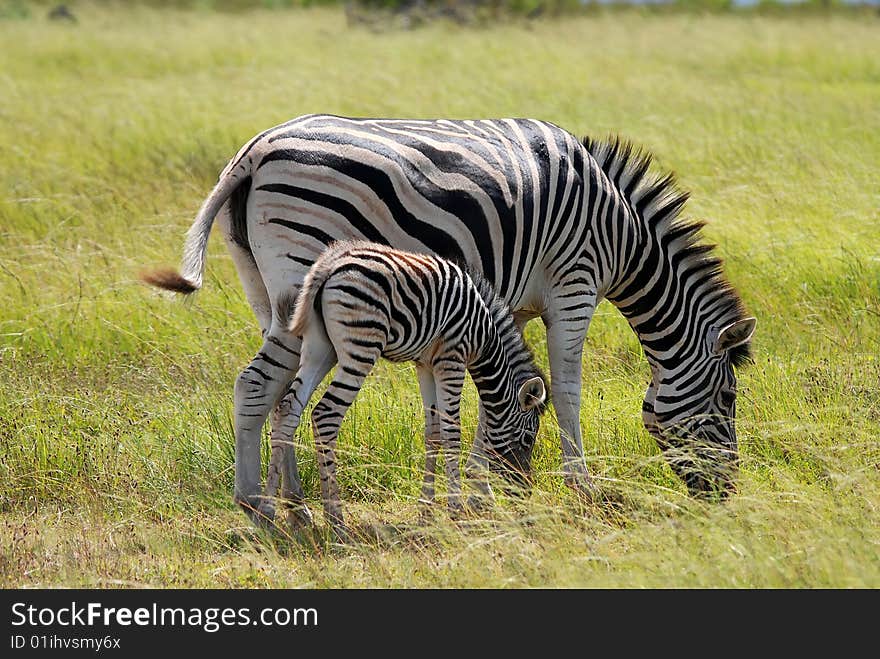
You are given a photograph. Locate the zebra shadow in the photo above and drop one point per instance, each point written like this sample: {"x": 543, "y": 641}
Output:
{"x": 319, "y": 538}
{"x": 405, "y": 530}
{"x": 620, "y": 496}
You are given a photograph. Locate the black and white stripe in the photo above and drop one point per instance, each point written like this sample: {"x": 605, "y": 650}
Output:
{"x": 554, "y": 223}
{"x": 691, "y": 323}
{"x": 361, "y": 301}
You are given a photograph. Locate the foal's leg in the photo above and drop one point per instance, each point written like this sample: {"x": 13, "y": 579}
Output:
{"x": 649, "y": 419}
{"x": 318, "y": 357}
{"x": 428, "y": 390}
{"x": 449, "y": 380}
{"x": 327, "y": 417}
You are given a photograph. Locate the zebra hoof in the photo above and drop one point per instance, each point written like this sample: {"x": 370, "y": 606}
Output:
{"x": 583, "y": 486}
{"x": 260, "y": 511}
{"x": 266, "y": 512}
{"x": 426, "y": 510}
{"x": 299, "y": 518}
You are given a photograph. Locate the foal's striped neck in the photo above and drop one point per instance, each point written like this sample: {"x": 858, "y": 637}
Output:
{"x": 502, "y": 352}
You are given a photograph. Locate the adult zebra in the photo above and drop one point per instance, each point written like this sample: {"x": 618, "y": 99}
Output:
{"x": 553, "y": 223}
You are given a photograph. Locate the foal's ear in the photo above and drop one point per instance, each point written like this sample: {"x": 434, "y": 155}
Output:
{"x": 532, "y": 393}
{"x": 734, "y": 335}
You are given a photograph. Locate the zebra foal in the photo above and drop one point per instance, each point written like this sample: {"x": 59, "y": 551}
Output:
{"x": 361, "y": 301}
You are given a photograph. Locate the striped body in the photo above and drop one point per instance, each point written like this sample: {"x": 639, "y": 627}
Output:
{"x": 499, "y": 196}
{"x": 554, "y": 223}
{"x": 362, "y": 301}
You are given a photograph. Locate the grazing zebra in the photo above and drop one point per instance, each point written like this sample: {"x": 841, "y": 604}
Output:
{"x": 361, "y": 301}
{"x": 554, "y": 224}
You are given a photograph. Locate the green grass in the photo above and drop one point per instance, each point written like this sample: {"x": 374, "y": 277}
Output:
{"x": 115, "y": 402}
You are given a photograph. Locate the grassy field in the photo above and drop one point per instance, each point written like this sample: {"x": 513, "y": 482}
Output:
{"x": 115, "y": 402}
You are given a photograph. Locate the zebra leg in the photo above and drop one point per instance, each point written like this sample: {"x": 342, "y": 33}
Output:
{"x": 565, "y": 344}
{"x": 449, "y": 383}
{"x": 276, "y": 459}
{"x": 298, "y": 514}
{"x": 280, "y": 449}
{"x": 649, "y": 418}
{"x": 326, "y": 419}
{"x": 257, "y": 390}
{"x": 477, "y": 467}
{"x": 318, "y": 357}
{"x": 258, "y": 299}
{"x": 428, "y": 389}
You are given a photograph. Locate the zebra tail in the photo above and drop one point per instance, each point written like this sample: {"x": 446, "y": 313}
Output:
{"x": 308, "y": 303}
{"x": 195, "y": 248}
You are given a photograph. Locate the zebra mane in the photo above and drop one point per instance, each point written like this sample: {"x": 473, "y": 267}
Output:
{"x": 657, "y": 201}
{"x": 521, "y": 358}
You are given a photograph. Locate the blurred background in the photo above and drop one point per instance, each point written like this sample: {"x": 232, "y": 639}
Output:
{"x": 413, "y": 12}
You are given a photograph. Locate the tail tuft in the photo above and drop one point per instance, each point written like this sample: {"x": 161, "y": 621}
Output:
{"x": 170, "y": 280}
{"x": 299, "y": 315}
{"x": 285, "y": 308}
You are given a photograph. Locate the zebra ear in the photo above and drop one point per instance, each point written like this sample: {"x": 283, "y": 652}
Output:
{"x": 734, "y": 335}
{"x": 532, "y": 393}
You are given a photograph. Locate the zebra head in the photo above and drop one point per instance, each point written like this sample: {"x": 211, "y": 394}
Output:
{"x": 511, "y": 441}
{"x": 691, "y": 412}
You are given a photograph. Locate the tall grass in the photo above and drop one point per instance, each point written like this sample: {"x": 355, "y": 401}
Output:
{"x": 116, "y": 445}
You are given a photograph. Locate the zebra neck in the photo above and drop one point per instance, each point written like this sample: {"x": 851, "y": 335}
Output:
{"x": 494, "y": 381}
{"x": 501, "y": 360}
{"x": 652, "y": 264}
{"x": 492, "y": 371}
{"x": 671, "y": 300}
